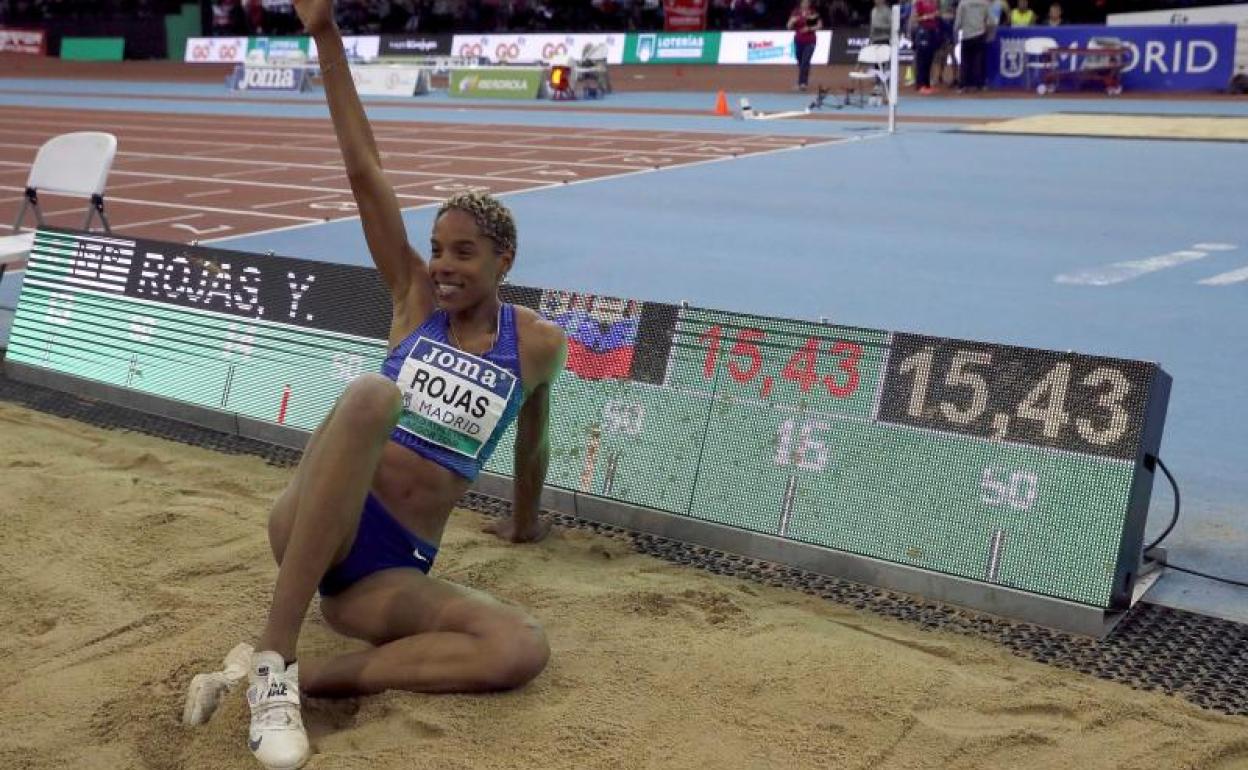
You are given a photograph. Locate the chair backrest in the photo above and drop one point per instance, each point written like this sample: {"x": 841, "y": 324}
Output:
{"x": 877, "y": 53}
{"x": 1035, "y": 46}
{"x": 77, "y": 163}
{"x": 597, "y": 53}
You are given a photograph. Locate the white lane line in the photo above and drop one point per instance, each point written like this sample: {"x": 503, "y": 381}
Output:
{"x": 240, "y": 212}
{"x": 162, "y": 221}
{"x": 1227, "y": 278}
{"x": 207, "y": 193}
{"x": 594, "y": 180}
{"x": 320, "y": 197}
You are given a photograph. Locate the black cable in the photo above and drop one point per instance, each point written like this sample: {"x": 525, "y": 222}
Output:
{"x": 1174, "y": 519}
{"x": 1240, "y": 583}
{"x": 1169, "y": 528}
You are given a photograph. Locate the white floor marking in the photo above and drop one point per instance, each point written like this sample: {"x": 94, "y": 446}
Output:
{"x": 1120, "y": 272}
{"x": 1227, "y": 278}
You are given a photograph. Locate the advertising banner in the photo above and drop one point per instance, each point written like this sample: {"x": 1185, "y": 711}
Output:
{"x": 769, "y": 47}
{"x": 357, "y": 47}
{"x": 497, "y": 83}
{"x": 672, "y": 48}
{"x": 849, "y": 41}
{"x": 216, "y": 50}
{"x": 684, "y": 15}
{"x": 1164, "y": 58}
{"x": 532, "y": 48}
{"x": 415, "y": 45}
{"x": 253, "y": 77}
{"x": 389, "y": 80}
{"x": 272, "y": 49}
{"x": 30, "y": 41}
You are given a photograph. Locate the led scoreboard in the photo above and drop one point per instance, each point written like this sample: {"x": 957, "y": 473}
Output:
{"x": 1008, "y": 466}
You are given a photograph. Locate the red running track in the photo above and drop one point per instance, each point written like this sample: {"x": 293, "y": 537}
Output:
{"x": 202, "y": 177}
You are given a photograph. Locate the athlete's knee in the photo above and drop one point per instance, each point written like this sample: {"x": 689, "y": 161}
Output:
{"x": 516, "y": 652}
{"x": 370, "y": 400}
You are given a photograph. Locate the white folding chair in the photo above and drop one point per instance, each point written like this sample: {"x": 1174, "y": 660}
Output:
{"x": 13, "y": 252}
{"x": 71, "y": 164}
{"x": 593, "y": 67}
{"x": 873, "y": 64}
{"x": 1036, "y": 57}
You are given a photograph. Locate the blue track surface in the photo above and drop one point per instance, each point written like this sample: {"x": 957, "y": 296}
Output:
{"x": 928, "y": 230}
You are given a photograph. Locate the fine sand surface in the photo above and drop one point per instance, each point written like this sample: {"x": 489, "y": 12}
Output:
{"x": 128, "y": 563}
{"x": 1233, "y": 129}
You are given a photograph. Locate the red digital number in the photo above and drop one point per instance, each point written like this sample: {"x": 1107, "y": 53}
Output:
{"x": 711, "y": 337}
{"x": 801, "y": 368}
{"x": 849, "y": 365}
{"x": 744, "y": 347}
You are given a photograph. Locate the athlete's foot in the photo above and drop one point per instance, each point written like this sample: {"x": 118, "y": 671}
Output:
{"x": 276, "y": 737}
{"x": 207, "y": 690}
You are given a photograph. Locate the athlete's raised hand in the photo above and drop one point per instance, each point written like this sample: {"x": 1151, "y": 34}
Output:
{"x": 317, "y": 15}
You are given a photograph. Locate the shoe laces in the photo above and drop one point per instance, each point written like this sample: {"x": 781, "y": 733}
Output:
{"x": 276, "y": 704}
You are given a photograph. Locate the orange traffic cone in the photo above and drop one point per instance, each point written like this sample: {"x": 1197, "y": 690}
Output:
{"x": 721, "y": 103}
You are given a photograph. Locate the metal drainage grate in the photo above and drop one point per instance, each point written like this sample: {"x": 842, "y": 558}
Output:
{"x": 1200, "y": 658}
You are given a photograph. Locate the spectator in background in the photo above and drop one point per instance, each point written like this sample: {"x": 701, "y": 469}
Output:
{"x": 255, "y": 17}
{"x": 804, "y": 22}
{"x": 948, "y": 41}
{"x": 925, "y": 32}
{"x": 973, "y": 22}
{"x": 1055, "y": 15}
{"x": 1022, "y": 16}
{"x": 221, "y": 17}
{"x": 881, "y": 23}
{"x": 839, "y": 14}
{"x": 652, "y": 14}
{"x": 1000, "y": 11}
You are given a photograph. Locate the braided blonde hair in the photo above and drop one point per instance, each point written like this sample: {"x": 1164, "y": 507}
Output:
{"x": 493, "y": 219}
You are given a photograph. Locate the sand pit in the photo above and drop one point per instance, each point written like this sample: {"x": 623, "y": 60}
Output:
{"x": 130, "y": 562}
{"x": 1190, "y": 127}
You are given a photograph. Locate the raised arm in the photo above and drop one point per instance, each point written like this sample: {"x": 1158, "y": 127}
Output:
{"x": 401, "y": 267}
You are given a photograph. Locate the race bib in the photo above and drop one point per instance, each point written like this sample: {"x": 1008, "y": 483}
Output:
{"x": 451, "y": 398}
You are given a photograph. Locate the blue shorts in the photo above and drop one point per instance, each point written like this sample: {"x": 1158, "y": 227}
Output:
{"x": 381, "y": 542}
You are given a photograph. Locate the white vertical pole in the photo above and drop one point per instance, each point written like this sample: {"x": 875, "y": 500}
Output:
{"x": 894, "y": 43}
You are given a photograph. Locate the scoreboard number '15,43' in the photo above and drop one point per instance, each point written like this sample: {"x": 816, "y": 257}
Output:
{"x": 1063, "y": 401}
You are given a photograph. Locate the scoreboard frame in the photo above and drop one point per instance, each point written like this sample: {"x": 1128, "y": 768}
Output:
{"x": 924, "y": 386}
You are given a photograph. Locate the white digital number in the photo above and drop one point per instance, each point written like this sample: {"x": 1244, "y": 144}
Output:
{"x": 1052, "y": 391}
{"x": 958, "y": 376}
{"x": 348, "y": 366}
{"x": 798, "y": 446}
{"x": 1119, "y": 420}
{"x": 623, "y": 417}
{"x": 1019, "y": 490}
{"x": 239, "y": 342}
{"x": 60, "y": 309}
{"x": 141, "y": 327}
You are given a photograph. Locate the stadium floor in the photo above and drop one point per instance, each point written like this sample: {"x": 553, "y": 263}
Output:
{"x": 1055, "y": 242}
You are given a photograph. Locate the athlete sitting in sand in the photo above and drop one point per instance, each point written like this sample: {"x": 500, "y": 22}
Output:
{"x": 364, "y": 514}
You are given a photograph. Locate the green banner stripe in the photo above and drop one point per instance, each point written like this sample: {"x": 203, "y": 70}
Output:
{"x": 439, "y": 433}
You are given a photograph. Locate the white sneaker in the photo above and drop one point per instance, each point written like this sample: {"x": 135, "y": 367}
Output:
{"x": 277, "y": 737}
{"x": 207, "y": 690}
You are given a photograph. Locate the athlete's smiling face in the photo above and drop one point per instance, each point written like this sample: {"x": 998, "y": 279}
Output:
{"x": 466, "y": 266}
